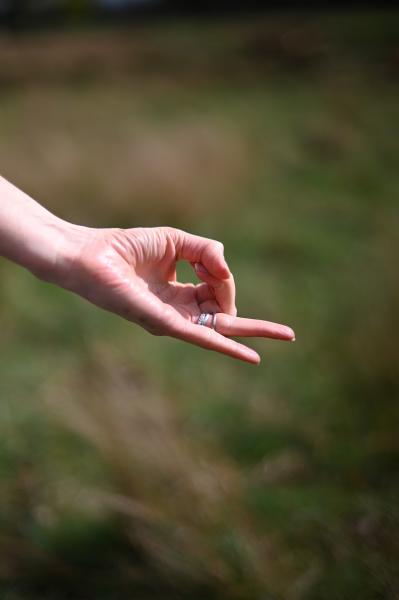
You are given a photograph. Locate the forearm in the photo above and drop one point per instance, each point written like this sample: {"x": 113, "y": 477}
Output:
{"x": 30, "y": 235}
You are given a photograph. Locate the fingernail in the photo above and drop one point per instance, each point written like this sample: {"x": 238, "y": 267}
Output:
{"x": 290, "y": 333}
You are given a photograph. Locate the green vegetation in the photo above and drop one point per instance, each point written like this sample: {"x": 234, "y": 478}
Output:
{"x": 134, "y": 467}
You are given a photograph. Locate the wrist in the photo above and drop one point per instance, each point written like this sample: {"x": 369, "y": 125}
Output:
{"x": 42, "y": 251}
{"x": 32, "y": 236}
{"x": 59, "y": 247}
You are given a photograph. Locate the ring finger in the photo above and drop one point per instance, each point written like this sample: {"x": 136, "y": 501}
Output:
{"x": 238, "y": 326}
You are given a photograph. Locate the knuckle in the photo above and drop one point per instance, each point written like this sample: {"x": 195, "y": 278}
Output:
{"x": 149, "y": 325}
{"x": 228, "y": 321}
{"x": 169, "y": 230}
{"x": 218, "y": 246}
{"x": 156, "y": 332}
{"x": 167, "y": 326}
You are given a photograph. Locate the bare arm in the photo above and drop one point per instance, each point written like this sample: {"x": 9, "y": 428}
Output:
{"x": 30, "y": 235}
{"x": 132, "y": 272}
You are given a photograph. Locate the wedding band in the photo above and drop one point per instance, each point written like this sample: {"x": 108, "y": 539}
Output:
{"x": 203, "y": 318}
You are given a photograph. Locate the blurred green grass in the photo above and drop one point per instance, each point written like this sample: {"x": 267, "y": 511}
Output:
{"x": 134, "y": 466}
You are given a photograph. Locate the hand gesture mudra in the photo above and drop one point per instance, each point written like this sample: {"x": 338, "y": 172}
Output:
{"x": 132, "y": 272}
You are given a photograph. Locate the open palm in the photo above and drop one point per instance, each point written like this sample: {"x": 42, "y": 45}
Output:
{"x": 132, "y": 272}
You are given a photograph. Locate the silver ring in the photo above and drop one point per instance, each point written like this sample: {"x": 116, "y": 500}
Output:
{"x": 203, "y": 318}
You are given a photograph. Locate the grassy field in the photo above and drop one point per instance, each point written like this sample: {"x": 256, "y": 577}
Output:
{"x": 135, "y": 467}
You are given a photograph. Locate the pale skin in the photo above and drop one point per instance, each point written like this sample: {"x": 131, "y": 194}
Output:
{"x": 132, "y": 273}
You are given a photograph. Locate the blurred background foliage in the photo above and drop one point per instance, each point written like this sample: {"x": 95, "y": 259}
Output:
{"x": 134, "y": 467}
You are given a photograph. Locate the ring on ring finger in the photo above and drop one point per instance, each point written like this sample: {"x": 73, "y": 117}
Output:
{"x": 204, "y": 318}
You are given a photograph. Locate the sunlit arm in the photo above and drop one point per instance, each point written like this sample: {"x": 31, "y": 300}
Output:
{"x": 29, "y": 234}
{"x": 132, "y": 273}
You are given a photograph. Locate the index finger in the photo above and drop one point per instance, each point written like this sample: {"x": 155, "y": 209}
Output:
{"x": 209, "y": 256}
{"x": 195, "y": 248}
{"x": 224, "y": 290}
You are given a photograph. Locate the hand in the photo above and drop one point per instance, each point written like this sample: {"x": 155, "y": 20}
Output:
{"x": 132, "y": 273}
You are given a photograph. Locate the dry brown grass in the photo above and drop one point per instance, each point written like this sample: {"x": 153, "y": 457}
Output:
{"x": 189, "y": 54}
{"x": 181, "y": 501}
{"x": 104, "y": 164}
{"x": 122, "y": 148}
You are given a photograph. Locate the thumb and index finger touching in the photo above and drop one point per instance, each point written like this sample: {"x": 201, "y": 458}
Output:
{"x": 207, "y": 258}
